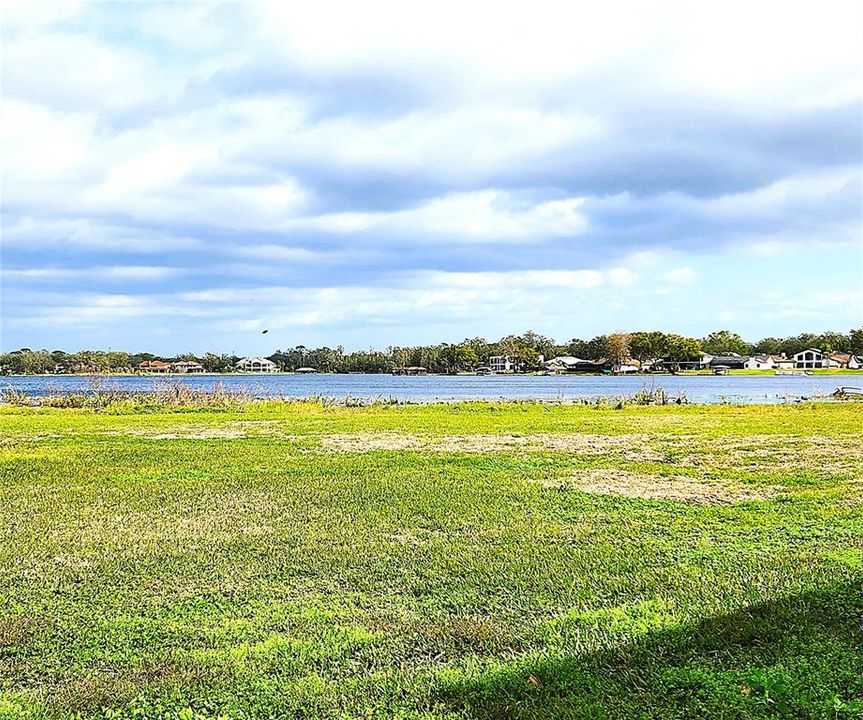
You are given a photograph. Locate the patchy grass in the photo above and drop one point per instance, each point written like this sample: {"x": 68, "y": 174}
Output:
{"x": 461, "y": 562}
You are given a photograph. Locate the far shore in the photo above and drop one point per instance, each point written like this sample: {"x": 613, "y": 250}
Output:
{"x": 685, "y": 373}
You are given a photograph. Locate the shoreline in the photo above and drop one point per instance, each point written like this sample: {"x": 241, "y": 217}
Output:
{"x": 816, "y": 372}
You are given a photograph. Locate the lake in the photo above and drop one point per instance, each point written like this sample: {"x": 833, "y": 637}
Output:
{"x": 437, "y": 388}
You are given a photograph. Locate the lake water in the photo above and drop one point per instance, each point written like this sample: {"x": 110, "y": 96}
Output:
{"x": 432, "y": 388}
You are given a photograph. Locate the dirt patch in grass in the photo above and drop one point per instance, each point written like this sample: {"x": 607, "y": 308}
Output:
{"x": 769, "y": 451}
{"x": 659, "y": 487}
{"x": 224, "y": 431}
{"x": 99, "y": 690}
{"x": 464, "y": 633}
{"x": 200, "y": 433}
{"x": 631, "y": 447}
{"x": 22, "y": 629}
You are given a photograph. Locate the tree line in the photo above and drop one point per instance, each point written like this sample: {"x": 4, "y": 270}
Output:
{"x": 524, "y": 350}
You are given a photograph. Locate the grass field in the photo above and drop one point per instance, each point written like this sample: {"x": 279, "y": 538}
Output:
{"x": 461, "y": 561}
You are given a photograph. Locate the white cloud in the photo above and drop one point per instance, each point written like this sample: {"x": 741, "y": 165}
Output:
{"x": 490, "y": 215}
{"x": 680, "y": 276}
{"x": 622, "y": 276}
{"x": 114, "y": 272}
{"x": 38, "y": 13}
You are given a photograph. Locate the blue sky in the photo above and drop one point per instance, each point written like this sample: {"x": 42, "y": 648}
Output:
{"x": 178, "y": 177}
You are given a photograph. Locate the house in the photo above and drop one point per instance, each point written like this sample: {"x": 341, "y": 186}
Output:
{"x": 628, "y": 367}
{"x": 501, "y": 364}
{"x": 412, "y": 370}
{"x": 844, "y": 361}
{"x": 568, "y": 364}
{"x": 187, "y": 366}
{"x": 257, "y": 364}
{"x": 781, "y": 362}
{"x": 730, "y": 361}
{"x": 810, "y": 358}
{"x": 666, "y": 363}
{"x": 760, "y": 362}
{"x": 154, "y": 366}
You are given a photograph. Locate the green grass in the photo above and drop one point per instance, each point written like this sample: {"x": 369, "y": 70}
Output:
{"x": 815, "y": 371}
{"x": 455, "y": 561}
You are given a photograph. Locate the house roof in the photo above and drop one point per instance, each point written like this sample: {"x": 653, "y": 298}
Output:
{"x": 732, "y": 358}
{"x": 815, "y": 350}
{"x": 567, "y": 360}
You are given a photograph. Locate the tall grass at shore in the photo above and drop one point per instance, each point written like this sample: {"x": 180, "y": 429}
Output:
{"x": 102, "y": 396}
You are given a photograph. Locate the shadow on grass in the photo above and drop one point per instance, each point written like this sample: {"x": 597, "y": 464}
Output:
{"x": 796, "y": 657}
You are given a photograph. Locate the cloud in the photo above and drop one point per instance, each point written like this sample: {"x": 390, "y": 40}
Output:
{"x": 526, "y": 164}
{"x": 118, "y": 273}
{"x": 489, "y": 215}
{"x": 680, "y": 276}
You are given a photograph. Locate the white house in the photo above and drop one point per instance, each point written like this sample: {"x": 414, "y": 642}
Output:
{"x": 500, "y": 364}
{"x": 809, "y": 358}
{"x": 257, "y": 364}
{"x": 760, "y": 362}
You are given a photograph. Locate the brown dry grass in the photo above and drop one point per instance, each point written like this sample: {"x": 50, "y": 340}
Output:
{"x": 99, "y": 690}
{"x": 22, "y": 629}
{"x": 762, "y": 452}
{"x": 659, "y": 487}
{"x": 631, "y": 447}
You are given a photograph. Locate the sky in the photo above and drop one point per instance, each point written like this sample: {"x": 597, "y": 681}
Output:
{"x": 180, "y": 177}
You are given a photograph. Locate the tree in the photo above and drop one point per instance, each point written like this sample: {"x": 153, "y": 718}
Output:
{"x": 681, "y": 349}
{"x": 618, "y": 348}
{"x": 648, "y": 345}
{"x": 577, "y": 348}
{"x": 855, "y": 339}
{"x": 465, "y": 357}
{"x": 793, "y": 345}
{"x": 543, "y": 345}
{"x": 480, "y": 347}
{"x": 597, "y": 348}
{"x": 34, "y": 362}
{"x": 834, "y": 342}
{"x": 723, "y": 342}
{"x": 525, "y": 358}
{"x": 768, "y": 346}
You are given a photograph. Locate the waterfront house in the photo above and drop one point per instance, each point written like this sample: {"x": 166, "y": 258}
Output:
{"x": 412, "y": 370}
{"x": 703, "y": 362}
{"x": 843, "y": 361}
{"x": 730, "y": 361}
{"x": 628, "y": 367}
{"x": 187, "y": 366}
{"x": 257, "y": 365}
{"x": 760, "y": 362}
{"x": 569, "y": 364}
{"x": 501, "y": 364}
{"x": 810, "y": 358}
{"x": 781, "y": 362}
{"x": 154, "y": 366}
